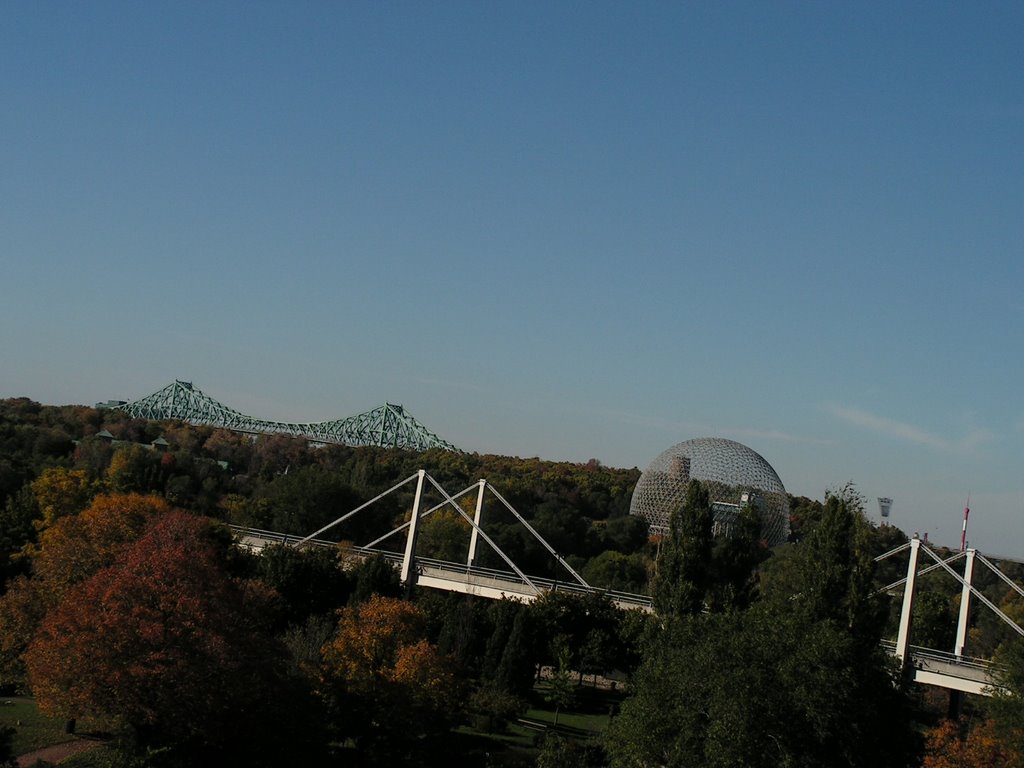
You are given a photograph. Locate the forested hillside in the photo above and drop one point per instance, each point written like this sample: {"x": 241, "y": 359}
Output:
{"x": 124, "y": 601}
{"x": 281, "y": 483}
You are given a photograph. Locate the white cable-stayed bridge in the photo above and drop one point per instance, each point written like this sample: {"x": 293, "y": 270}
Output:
{"x": 952, "y": 669}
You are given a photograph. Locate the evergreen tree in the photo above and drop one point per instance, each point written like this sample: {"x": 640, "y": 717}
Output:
{"x": 797, "y": 680}
{"x": 683, "y": 571}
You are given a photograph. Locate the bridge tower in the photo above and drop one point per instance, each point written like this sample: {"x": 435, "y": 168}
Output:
{"x": 409, "y": 561}
{"x": 909, "y": 590}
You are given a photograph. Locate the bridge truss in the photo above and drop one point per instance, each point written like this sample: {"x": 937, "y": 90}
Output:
{"x": 388, "y": 426}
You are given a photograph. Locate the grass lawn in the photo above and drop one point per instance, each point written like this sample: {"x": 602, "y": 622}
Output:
{"x": 517, "y": 745}
{"x": 35, "y": 731}
{"x": 32, "y": 730}
{"x": 587, "y": 716}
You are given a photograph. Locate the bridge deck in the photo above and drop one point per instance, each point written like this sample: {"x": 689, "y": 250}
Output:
{"x": 947, "y": 670}
{"x": 455, "y": 577}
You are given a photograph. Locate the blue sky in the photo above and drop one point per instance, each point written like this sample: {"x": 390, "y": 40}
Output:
{"x": 566, "y": 230}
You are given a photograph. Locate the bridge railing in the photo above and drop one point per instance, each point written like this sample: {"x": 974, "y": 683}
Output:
{"x": 920, "y": 654}
{"x": 275, "y": 537}
{"x": 552, "y": 585}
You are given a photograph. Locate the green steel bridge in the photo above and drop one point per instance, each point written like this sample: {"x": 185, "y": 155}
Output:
{"x": 388, "y": 426}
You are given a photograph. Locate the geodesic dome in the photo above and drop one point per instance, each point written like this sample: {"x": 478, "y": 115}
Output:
{"x": 733, "y": 474}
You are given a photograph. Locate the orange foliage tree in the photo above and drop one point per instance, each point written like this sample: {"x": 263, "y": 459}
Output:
{"x": 164, "y": 640}
{"x": 391, "y": 690}
{"x": 69, "y": 551}
{"x": 950, "y": 745}
{"x": 75, "y": 547}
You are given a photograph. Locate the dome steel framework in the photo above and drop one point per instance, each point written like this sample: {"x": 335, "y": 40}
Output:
{"x": 733, "y": 474}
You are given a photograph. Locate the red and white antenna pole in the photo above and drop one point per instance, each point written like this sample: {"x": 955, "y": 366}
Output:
{"x": 963, "y": 534}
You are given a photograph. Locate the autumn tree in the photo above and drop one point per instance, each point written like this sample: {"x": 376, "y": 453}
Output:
{"x": 953, "y": 744}
{"x": 60, "y": 492}
{"x": 165, "y": 641}
{"x": 388, "y": 687}
{"x": 233, "y": 448}
{"x": 70, "y": 551}
{"x": 76, "y": 546}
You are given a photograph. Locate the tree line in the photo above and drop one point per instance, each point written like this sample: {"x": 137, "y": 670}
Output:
{"x": 124, "y": 598}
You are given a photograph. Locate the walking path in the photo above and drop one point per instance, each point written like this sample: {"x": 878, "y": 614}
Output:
{"x": 57, "y": 752}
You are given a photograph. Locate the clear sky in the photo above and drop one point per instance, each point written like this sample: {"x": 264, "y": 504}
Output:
{"x": 570, "y": 230}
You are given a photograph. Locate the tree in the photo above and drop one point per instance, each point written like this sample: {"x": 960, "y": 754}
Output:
{"x": 60, "y": 492}
{"x": 508, "y": 662}
{"x": 134, "y": 468}
{"x": 306, "y": 498}
{"x": 374, "y": 575}
{"x": 616, "y": 571}
{"x": 461, "y": 635}
{"x": 389, "y": 689}
{"x": 734, "y": 558}
{"x": 797, "y": 679}
{"x": 1007, "y": 703}
{"x": 310, "y": 581}
{"x": 952, "y": 744}
{"x": 21, "y": 610}
{"x": 626, "y": 534}
{"x": 683, "y": 571}
{"x": 833, "y": 572}
{"x": 165, "y": 641}
{"x": 444, "y": 535}
{"x": 70, "y": 551}
{"x": 77, "y": 546}
{"x": 761, "y": 688}
{"x": 514, "y": 672}
{"x": 17, "y": 529}
{"x": 561, "y": 689}
{"x": 934, "y": 621}
{"x": 233, "y": 448}
{"x": 559, "y": 752}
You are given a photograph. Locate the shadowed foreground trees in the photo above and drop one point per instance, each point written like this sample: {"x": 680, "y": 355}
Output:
{"x": 794, "y": 680}
{"x": 69, "y": 551}
{"x": 387, "y": 687}
{"x": 172, "y": 647}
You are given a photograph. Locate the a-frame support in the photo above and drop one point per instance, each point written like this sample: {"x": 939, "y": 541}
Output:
{"x": 408, "y": 562}
{"x": 903, "y": 636}
{"x": 471, "y": 557}
{"x": 965, "y": 604}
